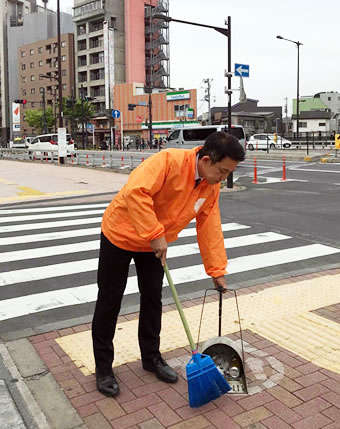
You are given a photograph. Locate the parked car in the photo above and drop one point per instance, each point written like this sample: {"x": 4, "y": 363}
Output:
{"x": 18, "y": 143}
{"x": 47, "y": 142}
{"x": 262, "y": 141}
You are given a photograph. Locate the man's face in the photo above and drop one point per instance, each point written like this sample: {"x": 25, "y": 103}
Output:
{"x": 216, "y": 173}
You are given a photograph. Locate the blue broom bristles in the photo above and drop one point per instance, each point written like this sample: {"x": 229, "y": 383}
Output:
{"x": 205, "y": 382}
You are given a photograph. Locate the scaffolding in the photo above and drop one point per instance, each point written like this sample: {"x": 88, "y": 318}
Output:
{"x": 157, "y": 54}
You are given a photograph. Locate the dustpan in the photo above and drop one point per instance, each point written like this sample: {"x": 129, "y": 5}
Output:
{"x": 228, "y": 355}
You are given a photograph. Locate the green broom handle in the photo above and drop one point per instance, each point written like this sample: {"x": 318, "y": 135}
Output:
{"x": 179, "y": 307}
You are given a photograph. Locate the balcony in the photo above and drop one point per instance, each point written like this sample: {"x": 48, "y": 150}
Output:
{"x": 82, "y": 46}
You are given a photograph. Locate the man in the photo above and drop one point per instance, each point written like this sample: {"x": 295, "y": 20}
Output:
{"x": 161, "y": 197}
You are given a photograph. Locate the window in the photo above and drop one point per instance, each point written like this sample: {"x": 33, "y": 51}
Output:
{"x": 302, "y": 124}
{"x": 88, "y": 7}
{"x": 32, "y": 90}
{"x": 23, "y": 79}
{"x": 63, "y": 44}
{"x": 23, "y": 66}
{"x": 81, "y": 45}
{"x": 63, "y": 73}
{"x": 82, "y": 61}
{"x": 180, "y": 110}
{"x": 41, "y": 62}
{"x": 64, "y": 86}
{"x": 63, "y": 58}
{"x": 174, "y": 135}
{"x": 40, "y": 50}
{"x": 322, "y": 124}
{"x": 329, "y": 98}
{"x": 31, "y": 65}
{"x": 31, "y": 51}
{"x": 95, "y": 26}
{"x": 24, "y": 92}
{"x": 41, "y": 89}
{"x": 32, "y": 78}
{"x": 23, "y": 53}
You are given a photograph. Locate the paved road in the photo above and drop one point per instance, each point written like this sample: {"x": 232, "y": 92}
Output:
{"x": 49, "y": 254}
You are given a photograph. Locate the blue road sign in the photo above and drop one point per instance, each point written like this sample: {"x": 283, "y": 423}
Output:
{"x": 115, "y": 113}
{"x": 242, "y": 70}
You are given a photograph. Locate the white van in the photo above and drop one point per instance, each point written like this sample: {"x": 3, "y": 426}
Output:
{"x": 48, "y": 142}
{"x": 186, "y": 138}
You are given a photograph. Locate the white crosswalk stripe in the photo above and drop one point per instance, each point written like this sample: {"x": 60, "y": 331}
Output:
{"x": 32, "y": 265}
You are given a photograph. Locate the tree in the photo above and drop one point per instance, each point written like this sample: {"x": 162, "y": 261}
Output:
{"x": 76, "y": 112}
{"x": 35, "y": 118}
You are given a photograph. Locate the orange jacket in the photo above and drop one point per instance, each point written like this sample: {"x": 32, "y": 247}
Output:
{"x": 159, "y": 199}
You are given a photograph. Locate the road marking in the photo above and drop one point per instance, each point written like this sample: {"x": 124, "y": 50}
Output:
{"x": 173, "y": 251}
{"x": 318, "y": 170}
{"x": 53, "y": 209}
{"x": 47, "y": 195}
{"x": 49, "y": 216}
{"x": 28, "y": 191}
{"x": 21, "y": 306}
{"x": 7, "y": 182}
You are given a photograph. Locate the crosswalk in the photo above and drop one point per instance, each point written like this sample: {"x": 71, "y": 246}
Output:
{"x": 49, "y": 258}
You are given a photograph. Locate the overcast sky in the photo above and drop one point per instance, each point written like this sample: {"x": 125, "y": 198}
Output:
{"x": 198, "y": 53}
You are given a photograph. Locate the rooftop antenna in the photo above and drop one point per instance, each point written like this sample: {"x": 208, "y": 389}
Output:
{"x": 45, "y": 3}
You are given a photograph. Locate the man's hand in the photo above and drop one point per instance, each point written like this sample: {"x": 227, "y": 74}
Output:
{"x": 160, "y": 246}
{"x": 220, "y": 283}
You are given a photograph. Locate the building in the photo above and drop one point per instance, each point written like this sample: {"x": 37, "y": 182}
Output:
{"x": 170, "y": 109}
{"x": 12, "y": 14}
{"x": 37, "y": 61}
{"x": 319, "y": 121}
{"x": 37, "y": 24}
{"x": 253, "y": 118}
{"x": 99, "y": 50}
{"x": 119, "y": 42}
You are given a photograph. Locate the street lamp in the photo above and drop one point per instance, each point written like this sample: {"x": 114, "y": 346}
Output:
{"x": 298, "y": 81}
{"x": 226, "y": 32}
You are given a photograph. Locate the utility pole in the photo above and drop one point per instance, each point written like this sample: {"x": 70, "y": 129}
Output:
{"x": 207, "y": 97}
{"x": 82, "y": 115}
{"x": 44, "y": 110}
{"x": 286, "y": 112}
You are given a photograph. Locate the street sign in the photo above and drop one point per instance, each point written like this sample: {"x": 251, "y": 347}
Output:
{"x": 242, "y": 70}
{"x": 337, "y": 141}
{"x": 142, "y": 103}
{"x": 115, "y": 114}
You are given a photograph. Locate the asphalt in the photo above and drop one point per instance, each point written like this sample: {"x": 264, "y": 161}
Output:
{"x": 290, "y": 332}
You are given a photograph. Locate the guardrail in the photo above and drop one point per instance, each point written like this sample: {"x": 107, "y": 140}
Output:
{"x": 104, "y": 159}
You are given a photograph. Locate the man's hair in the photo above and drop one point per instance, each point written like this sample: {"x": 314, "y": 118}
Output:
{"x": 220, "y": 145}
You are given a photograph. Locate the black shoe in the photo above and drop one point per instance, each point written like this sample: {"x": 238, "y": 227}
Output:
{"x": 107, "y": 384}
{"x": 161, "y": 369}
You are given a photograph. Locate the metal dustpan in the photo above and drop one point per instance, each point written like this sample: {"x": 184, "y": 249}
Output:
{"x": 227, "y": 355}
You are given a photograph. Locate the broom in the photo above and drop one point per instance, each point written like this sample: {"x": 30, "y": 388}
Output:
{"x": 205, "y": 382}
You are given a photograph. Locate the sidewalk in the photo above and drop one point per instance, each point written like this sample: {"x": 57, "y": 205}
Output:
{"x": 292, "y": 341}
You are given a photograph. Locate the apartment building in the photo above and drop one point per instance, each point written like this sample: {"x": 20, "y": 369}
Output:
{"x": 12, "y": 14}
{"x": 100, "y": 50}
{"x": 38, "y": 70}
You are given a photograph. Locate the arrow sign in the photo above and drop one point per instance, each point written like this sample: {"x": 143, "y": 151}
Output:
{"x": 115, "y": 113}
{"x": 242, "y": 70}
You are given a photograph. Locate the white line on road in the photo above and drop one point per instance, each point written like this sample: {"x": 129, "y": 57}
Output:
{"x": 53, "y": 209}
{"x": 21, "y": 306}
{"x": 49, "y": 216}
{"x": 173, "y": 251}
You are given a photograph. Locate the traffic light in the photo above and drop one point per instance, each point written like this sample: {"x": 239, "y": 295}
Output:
{"x": 69, "y": 103}
{"x": 20, "y": 101}
{"x": 88, "y": 98}
{"x": 131, "y": 106}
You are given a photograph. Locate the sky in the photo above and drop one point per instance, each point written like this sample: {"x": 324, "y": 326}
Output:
{"x": 200, "y": 53}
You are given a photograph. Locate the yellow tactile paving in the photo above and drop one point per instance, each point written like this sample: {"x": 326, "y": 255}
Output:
{"x": 281, "y": 314}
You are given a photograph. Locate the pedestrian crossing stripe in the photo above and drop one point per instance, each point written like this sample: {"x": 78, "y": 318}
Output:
{"x": 48, "y": 300}
{"x": 15, "y": 307}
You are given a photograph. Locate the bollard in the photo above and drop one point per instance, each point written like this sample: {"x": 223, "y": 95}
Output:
{"x": 122, "y": 161}
{"x": 255, "y": 172}
{"x": 87, "y": 159}
{"x": 46, "y": 159}
{"x": 103, "y": 160}
{"x": 142, "y": 159}
{"x": 72, "y": 160}
{"x": 284, "y": 168}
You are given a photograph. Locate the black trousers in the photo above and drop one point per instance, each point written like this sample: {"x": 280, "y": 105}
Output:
{"x": 113, "y": 272}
